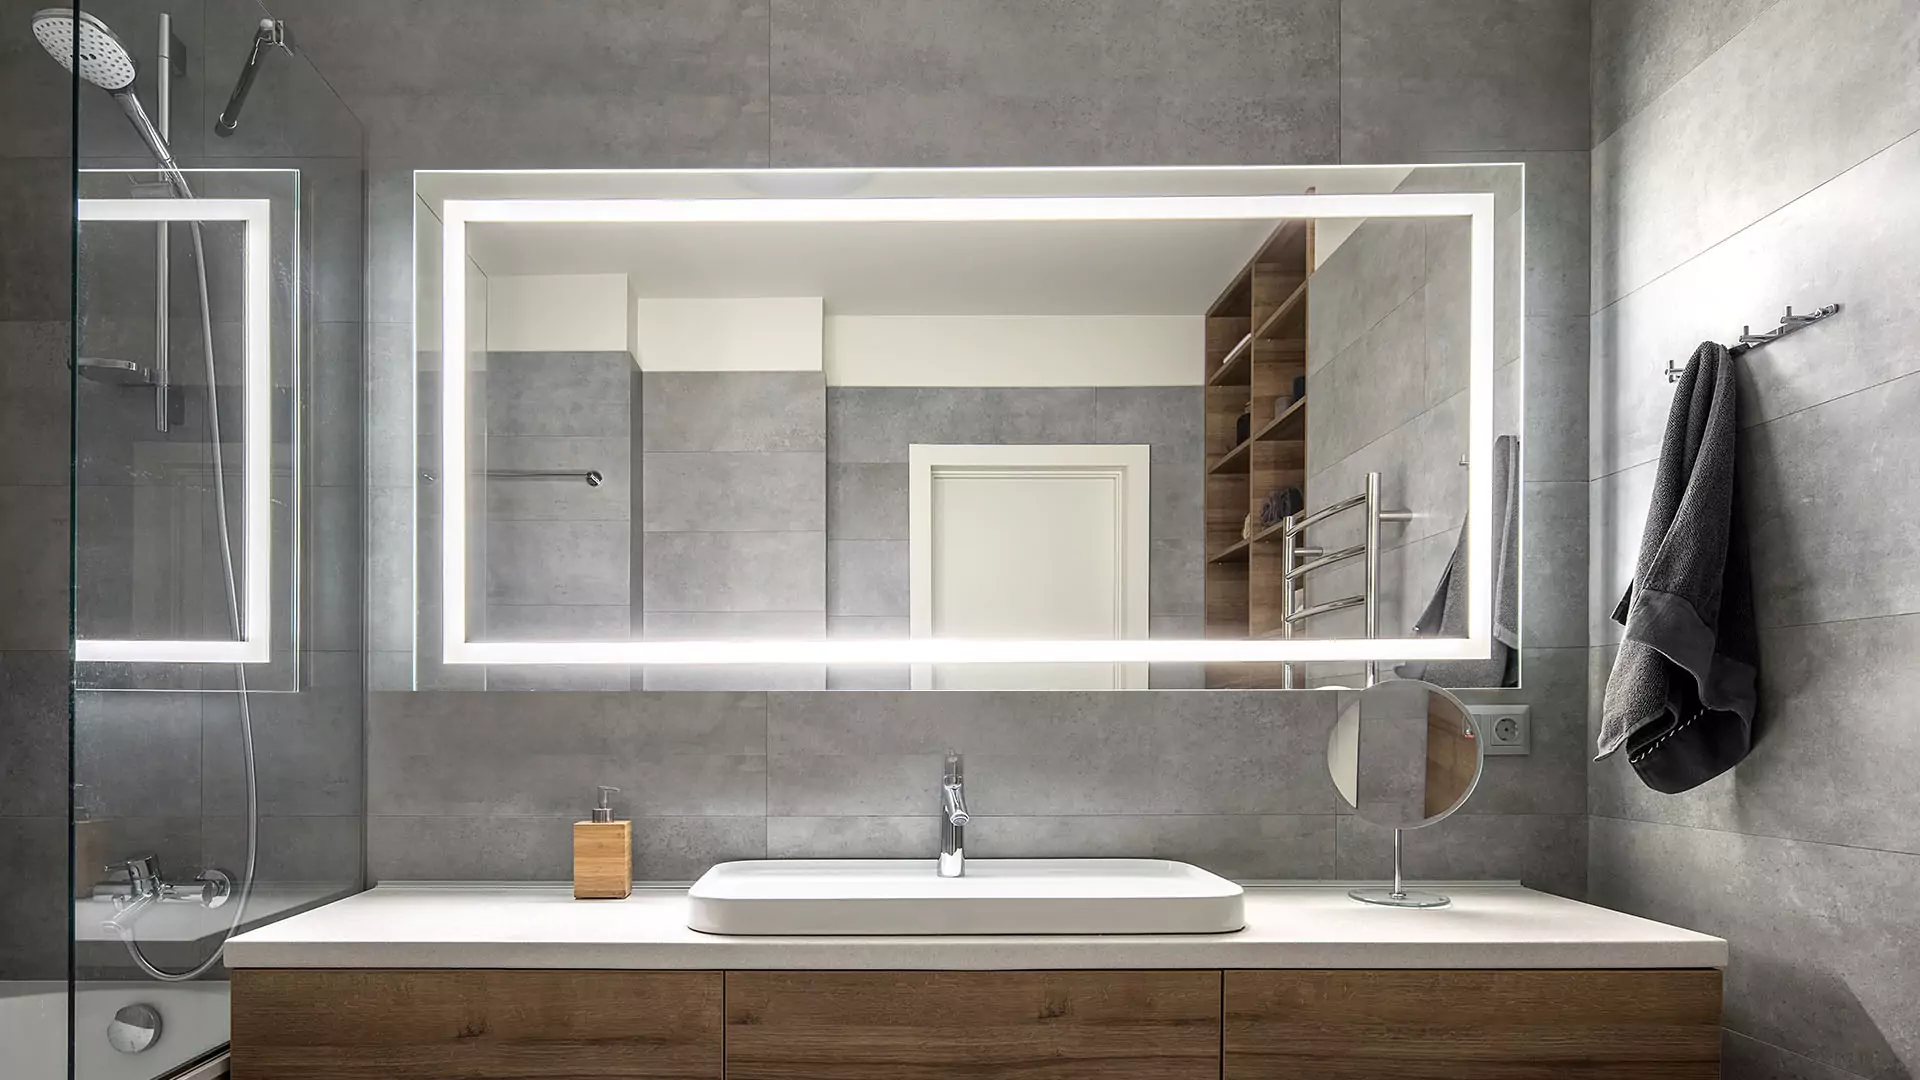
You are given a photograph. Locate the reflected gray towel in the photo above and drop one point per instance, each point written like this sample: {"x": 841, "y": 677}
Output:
{"x": 1682, "y": 694}
{"x": 1446, "y": 614}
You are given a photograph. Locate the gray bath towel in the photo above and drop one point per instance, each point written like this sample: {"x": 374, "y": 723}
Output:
{"x": 1446, "y": 614}
{"x": 1682, "y": 695}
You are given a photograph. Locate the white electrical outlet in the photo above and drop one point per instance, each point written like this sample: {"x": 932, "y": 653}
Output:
{"x": 1504, "y": 729}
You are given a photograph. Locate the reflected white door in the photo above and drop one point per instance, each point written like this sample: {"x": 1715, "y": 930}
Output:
{"x": 1029, "y": 543}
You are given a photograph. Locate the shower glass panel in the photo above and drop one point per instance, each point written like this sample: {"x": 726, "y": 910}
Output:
{"x": 217, "y": 714}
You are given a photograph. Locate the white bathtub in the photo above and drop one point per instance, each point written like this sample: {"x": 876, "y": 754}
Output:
{"x": 33, "y": 1028}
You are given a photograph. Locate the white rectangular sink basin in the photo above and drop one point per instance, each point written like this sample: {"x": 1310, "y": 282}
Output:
{"x": 996, "y": 896}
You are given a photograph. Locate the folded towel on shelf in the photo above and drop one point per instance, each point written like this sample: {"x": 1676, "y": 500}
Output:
{"x": 1279, "y": 503}
{"x": 1683, "y": 692}
{"x": 1446, "y": 613}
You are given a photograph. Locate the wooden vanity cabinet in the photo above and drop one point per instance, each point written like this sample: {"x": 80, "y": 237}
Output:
{"x": 331, "y": 1024}
{"x": 1471, "y": 1025}
{"x": 1034, "y": 1025}
{"x": 347, "y": 1024}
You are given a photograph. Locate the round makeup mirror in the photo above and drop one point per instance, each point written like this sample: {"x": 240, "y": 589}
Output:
{"x": 1404, "y": 754}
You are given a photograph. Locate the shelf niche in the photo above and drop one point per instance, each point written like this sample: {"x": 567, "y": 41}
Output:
{"x": 1255, "y": 349}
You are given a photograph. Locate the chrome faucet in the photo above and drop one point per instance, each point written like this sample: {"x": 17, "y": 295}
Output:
{"x": 953, "y": 819}
{"x": 146, "y": 886}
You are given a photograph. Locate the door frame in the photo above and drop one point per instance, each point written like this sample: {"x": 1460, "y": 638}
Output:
{"x": 1127, "y": 465}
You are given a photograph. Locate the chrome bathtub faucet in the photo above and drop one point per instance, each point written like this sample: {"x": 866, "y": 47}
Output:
{"x": 953, "y": 819}
{"x": 146, "y": 886}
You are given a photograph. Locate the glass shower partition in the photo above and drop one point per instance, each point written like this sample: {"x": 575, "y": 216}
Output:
{"x": 217, "y": 557}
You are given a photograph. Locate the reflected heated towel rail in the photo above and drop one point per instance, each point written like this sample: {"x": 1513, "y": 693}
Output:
{"x": 1294, "y": 572}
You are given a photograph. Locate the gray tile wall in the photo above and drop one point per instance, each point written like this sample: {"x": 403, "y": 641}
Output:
{"x": 35, "y": 326}
{"x": 735, "y": 516}
{"x": 558, "y": 553}
{"x": 1797, "y": 856}
{"x": 869, "y": 431}
{"x": 827, "y": 82}
{"x": 149, "y": 760}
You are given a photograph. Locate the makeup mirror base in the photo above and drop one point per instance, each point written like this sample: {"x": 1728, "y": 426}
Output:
{"x": 1398, "y": 895}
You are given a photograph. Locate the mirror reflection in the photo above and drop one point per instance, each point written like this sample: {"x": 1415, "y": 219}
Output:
{"x": 1404, "y": 754}
{"x": 1074, "y": 430}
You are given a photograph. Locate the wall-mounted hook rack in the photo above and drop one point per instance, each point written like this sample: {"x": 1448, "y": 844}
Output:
{"x": 1789, "y": 323}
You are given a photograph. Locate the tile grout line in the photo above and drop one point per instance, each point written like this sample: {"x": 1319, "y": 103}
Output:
{"x": 1790, "y": 1053}
{"x": 1756, "y": 835}
{"x": 1755, "y": 223}
{"x": 1677, "y": 79}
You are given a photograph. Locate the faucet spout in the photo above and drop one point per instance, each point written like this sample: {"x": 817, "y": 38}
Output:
{"x": 953, "y": 819}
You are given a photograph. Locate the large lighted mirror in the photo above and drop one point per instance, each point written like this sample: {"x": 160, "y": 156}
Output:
{"x": 1029, "y": 429}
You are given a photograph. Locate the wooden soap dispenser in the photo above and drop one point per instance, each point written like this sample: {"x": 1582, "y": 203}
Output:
{"x": 603, "y": 853}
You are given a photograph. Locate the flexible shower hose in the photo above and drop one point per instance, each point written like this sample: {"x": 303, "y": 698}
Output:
{"x": 245, "y": 890}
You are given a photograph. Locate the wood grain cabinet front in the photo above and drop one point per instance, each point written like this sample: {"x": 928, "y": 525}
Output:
{"x": 325, "y": 1024}
{"x": 928, "y": 1025}
{"x": 1471, "y": 1025}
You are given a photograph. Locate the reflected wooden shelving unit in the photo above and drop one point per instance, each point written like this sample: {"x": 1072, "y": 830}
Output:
{"x": 1256, "y": 347}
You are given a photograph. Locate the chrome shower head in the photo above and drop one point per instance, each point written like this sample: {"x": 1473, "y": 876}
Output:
{"x": 75, "y": 37}
{"x": 85, "y": 46}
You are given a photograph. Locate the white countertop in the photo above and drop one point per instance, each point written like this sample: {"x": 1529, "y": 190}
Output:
{"x": 1288, "y": 926}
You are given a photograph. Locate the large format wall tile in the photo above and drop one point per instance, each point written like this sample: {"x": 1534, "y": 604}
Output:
{"x": 1834, "y": 533}
{"x": 542, "y": 754}
{"x": 770, "y": 571}
{"x": 1050, "y": 753}
{"x": 1546, "y": 852}
{"x": 982, "y": 82}
{"x": 508, "y": 85}
{"x": 762, "y": 411}
{"x": 1821, "y": 936}
{"x": 1642, "y": 47}
{"x": 1418, "y": 76}
{"x": 735, "y": 491}
{"x": 38, "y": 909}
{"x": 1834, "y": 79}
{"x": 1751, "y": 1059}
{"x": 33, "y": 731}
{"x": 1854, "y": 240}
{"x": 498, "y": 848}
{"x": 1832, "y": 761}
{"x": 876, "y": 424}
{"x": 581, "y": 395}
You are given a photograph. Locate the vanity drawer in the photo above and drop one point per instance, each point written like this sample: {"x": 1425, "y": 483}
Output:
{"x": 1035, "y": 1025}
{"x": 345, "y": 1024}
{"x": 1469, "y": 1025}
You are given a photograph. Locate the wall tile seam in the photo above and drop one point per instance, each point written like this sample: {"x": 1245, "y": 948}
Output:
{"x": 1823, "y": 1065}
{"x": 1594, "y": 253}
{"x": 1745, "y": 429}
{"x": 1369, "y": 444}
{"x": 1672, "y": 85}
{"x": 1898, "y": 852}
{"x": 750, "y": 532}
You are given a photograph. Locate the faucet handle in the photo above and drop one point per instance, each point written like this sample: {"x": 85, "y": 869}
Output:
{"x": 216, "y": 887}
{"x": 139, "y": 868}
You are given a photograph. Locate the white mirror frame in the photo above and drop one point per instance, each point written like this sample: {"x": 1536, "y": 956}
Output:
{"x": 256, "y": 450}
{"x": 457, "y": 214}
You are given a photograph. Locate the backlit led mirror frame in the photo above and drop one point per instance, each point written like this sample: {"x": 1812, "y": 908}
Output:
{"x": 254, "y": 645}
{"x": 938, "y": 196}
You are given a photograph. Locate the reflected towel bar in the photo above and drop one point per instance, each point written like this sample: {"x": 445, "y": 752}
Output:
{"x": 591, "y": 476}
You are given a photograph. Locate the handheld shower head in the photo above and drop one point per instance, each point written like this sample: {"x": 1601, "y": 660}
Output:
{"x": 76, "y": 38}
{"x": 85, "y": 46}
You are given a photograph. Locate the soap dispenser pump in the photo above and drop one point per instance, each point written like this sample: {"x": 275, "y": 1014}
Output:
{"x": 603, "y": 853}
